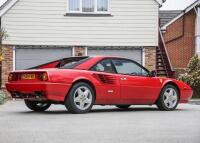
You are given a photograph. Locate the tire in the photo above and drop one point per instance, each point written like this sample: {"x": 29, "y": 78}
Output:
{"x": 168, "y": 99}
{"x": 80, "y": 98}
{"x": 123, "y": 106}
{"x": 37, "y": 106}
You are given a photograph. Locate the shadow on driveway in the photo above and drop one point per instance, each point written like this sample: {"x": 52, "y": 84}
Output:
{"x": 107, "y": 110}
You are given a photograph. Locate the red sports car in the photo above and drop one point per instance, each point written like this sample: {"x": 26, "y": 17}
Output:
{"x": 81, "y": 82}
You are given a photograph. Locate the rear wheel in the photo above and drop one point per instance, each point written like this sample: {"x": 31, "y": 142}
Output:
{"x": 80, "y": 98}
{"x": 168, "y": 99}
{"x": 123, "y": 106}
{"x": 36, "y": 105}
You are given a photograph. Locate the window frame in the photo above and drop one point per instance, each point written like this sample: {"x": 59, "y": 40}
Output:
{"x": 145, "y": 69}
{"x": 92, "y": 13}
{"x": 111, "y": 59}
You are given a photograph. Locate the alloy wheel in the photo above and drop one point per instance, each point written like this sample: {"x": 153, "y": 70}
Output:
{"x": 82, "y": 98}
{"x": 170, "y": 98}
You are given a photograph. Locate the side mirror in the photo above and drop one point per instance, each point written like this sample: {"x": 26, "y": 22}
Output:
{"x": 153, "y": 73}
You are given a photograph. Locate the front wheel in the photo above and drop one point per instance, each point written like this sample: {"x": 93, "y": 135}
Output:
{"x": 80, "y": 98}
{"x": 169, "y": 98}
{"x": 36, "y": 105}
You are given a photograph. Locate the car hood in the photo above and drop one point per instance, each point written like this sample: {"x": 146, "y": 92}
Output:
{"x": 180, "y": 84}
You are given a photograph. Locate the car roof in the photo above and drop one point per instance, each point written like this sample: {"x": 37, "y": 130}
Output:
{"x": 103, "y": 57}
{"x": 93, "y": 60}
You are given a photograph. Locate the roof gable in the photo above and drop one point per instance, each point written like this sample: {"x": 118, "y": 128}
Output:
{"x": 9, "y": 3}
{"x": 186, "y": 10}
{"x": 167, "y": 15}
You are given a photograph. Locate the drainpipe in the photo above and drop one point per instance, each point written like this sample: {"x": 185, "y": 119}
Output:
{"x": 197, "y": 31}
{"x": 0, "y": 62}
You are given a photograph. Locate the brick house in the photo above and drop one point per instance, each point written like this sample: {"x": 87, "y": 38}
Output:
{"x": 181, "y": 32}
{"x": 41, "y": 31}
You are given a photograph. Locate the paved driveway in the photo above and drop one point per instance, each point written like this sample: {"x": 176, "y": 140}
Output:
{"x": 107, "y": 124}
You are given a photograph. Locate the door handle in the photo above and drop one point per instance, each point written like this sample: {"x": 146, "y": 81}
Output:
{"x": 123, "y": 78}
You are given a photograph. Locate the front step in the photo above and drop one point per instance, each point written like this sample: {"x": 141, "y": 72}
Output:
{"x": 163, "y": 70}
{"x": 162, "y": 75}
{"x": 159, "y": 66}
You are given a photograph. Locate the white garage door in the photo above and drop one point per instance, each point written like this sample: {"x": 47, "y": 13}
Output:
{"x": 30, "y": 57}
{"x": 134, "y": 54}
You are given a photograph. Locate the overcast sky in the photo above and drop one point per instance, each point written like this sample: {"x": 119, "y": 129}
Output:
{"x": 176, "y": 4}
{"x": 168, "y": 5}
{"x": 2, "y": 1}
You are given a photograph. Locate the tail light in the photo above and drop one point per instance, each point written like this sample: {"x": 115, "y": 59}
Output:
{"x": 44, "y": 76}
{"x": 12, "y": 77}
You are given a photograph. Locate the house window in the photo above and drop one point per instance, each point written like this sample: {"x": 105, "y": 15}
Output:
{"x": 74, "y": 5}
{"x": 102, "y": 5}
{"x": 79, "y": 51}
{"x": 89, "y": 6}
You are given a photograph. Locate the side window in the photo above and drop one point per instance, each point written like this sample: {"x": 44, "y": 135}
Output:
{"x": 74, "y": 5}
{"x": 89, "y": 6}
{"x": 104, "y": 66}
{"x": 128, "y": 67}
{"x": 102, "y": 5}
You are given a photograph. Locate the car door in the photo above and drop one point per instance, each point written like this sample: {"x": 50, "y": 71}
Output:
{"x": 136, "y": 86}
{"x": 109, "y": 86}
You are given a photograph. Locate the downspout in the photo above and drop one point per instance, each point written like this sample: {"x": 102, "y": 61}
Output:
{"x": 0, "y": 61}
{"x": 197, "y": 31}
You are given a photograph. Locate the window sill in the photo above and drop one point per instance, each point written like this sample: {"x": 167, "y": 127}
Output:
{"x": 89, "y": 14}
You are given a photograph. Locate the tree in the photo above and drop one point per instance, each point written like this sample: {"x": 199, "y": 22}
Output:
{"x": 3, "y": 36}
{"x": 192, "y": 75}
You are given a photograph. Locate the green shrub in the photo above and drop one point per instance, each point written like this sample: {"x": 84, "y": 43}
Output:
{"x": 192, "y": 75}
{"x": 2, "y": 97}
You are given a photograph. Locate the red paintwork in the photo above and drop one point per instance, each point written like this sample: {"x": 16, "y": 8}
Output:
{"x": 50, "y": 65}
{"x": 134, "y": 90}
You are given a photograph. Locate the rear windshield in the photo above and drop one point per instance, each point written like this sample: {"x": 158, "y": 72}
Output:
{"x": 72, "y": 64}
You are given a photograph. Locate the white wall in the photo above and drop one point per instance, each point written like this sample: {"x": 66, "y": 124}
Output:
{"x": 42, "y": 22}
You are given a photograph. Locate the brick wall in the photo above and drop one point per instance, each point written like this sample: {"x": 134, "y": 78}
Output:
{"x": 150, "y": 58}
{"x": 180, "y": 42}
{"x": 7, "y": 64}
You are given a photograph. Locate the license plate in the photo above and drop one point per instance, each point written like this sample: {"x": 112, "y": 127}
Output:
{"x": 28, "y": 76}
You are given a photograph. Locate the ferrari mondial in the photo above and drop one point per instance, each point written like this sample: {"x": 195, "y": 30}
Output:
{"x": 81, "y": 82}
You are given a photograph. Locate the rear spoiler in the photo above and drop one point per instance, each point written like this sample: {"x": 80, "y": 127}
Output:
{"x": 58, "y": 63}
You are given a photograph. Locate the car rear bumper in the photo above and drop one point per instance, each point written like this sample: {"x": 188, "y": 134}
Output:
{"x": 39, "y": 91}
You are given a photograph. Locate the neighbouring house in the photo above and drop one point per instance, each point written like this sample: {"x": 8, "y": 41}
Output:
{"x": 181, "y": 33}
{"x": 40, "y": 31}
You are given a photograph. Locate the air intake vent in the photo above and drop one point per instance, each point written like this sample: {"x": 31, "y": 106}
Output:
{"x": 106, "y": 79}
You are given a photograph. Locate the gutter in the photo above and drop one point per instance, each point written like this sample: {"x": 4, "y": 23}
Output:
{"x": 160, "y": 2}
{"x": 6, "y": 6}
